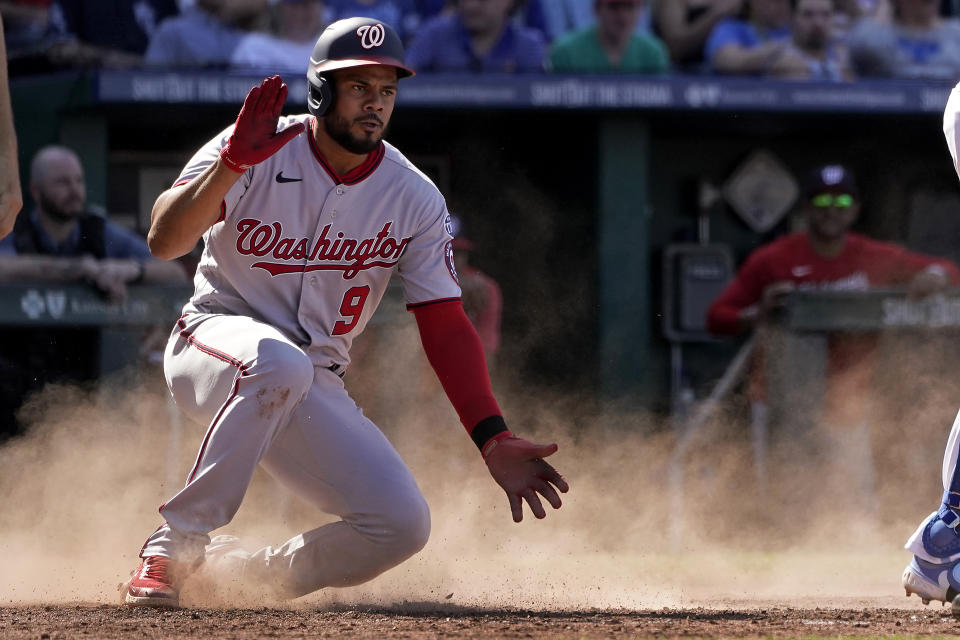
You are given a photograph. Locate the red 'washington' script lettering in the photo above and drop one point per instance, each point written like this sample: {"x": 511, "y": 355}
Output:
{"x": 298, "y": 255}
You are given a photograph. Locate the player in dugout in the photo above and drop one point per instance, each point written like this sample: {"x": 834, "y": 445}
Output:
{"x": 304, "y": 220}
{"x": 827, "y": 256}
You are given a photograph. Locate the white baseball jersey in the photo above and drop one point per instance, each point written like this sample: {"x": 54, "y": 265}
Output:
{"x": 951, "y": 114}
{"x": 311, "y": 253}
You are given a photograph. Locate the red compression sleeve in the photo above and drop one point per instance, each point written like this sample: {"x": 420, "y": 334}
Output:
{"x": 456, "y": 355}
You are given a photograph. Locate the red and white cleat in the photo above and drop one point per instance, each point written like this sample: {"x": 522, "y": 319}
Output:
{"x": 155, "y": 583}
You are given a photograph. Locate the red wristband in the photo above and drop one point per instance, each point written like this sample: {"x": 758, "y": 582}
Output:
{"x": 233, "y": 166}
{"x": 493, "y": 442}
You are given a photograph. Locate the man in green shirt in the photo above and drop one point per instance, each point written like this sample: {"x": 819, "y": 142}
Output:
{"x": 612, "y": 44}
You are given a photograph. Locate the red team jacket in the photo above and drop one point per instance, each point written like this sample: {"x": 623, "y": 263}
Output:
{"x": 863, "y": 264}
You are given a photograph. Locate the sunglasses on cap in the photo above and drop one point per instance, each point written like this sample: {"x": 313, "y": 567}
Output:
{"x": 838, "y": 200}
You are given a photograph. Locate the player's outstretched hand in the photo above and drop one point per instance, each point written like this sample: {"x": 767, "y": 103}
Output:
{"x": 518, "y": 467}
{"x": 255, "y": 137}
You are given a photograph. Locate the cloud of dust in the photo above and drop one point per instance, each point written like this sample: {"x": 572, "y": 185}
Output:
{"x": 80, "y": 491}
{"x": 644, "y": 528}
{"x": 81, "y": 488}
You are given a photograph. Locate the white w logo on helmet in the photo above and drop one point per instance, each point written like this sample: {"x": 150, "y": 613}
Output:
{"x": 832, "y": 174}
{"x": 371, "y": 35}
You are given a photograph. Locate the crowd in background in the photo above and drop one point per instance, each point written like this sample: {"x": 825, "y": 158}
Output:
{"x": 827, "y": 40}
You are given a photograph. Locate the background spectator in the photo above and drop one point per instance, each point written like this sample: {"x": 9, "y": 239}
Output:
{"x": 846, "y": 13}
{"x": 205, "y": 34}
{"x": 684, "y": 26}
{"x": 106, "y": 33}
{"x": 531, "y": 14}
{"x": 751, "y": 44}
{"x": 917, "y": 43}
{"x": 478, "y": 36}
{"x": 826, "y": 257}
{"x": 60, "y": 240}
{"x": 557, "y": 18}
{"x": 611, "y": 44}
{"x": 565, "y": 16}
{"x": 295, "y": 27}
{"x": 812, "y": 53}
{"x": 402, "y": 15}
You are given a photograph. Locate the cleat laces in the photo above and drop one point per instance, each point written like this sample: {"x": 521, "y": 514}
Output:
{"x": 158, "y": 568}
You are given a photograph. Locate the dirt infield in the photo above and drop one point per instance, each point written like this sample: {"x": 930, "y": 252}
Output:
{"x": 624, "y": 558}
{"x": 436, "y": 621}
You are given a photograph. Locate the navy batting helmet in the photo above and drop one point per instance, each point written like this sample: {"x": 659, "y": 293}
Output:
{"x": 352, "y": 42}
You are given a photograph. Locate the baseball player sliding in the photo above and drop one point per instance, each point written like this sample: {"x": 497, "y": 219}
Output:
{"x": 934, "y": 571}
{"x": 304, "y": 220}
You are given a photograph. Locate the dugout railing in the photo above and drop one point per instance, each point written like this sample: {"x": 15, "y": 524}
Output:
{"x": 797, "y": 346}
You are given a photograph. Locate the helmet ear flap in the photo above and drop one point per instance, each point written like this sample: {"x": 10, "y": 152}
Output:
{"x": 320, "y": 96}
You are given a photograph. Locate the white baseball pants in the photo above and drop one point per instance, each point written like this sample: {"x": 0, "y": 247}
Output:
{"x": 266, "y": 403}
{"x": 951, "y": 481}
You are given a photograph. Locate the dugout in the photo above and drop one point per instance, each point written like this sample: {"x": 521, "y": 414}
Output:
{"x": 572, "y": 187}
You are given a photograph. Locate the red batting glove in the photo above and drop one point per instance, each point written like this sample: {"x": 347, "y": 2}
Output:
{"x": 518, "y": 467}
{"x": 255, "y": 137}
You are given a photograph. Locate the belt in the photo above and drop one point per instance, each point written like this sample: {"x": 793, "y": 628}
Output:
{"x": 337, "y": 369}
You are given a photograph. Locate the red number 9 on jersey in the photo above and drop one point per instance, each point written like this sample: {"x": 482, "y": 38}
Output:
{"x": 351, "y": 308}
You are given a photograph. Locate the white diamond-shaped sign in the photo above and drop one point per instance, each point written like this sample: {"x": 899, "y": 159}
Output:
{"x": 761, "y": 191}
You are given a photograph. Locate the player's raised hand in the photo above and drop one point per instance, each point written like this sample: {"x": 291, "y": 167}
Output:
{"x": 518, "y": 467}
{"x": 255, "y": 137}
